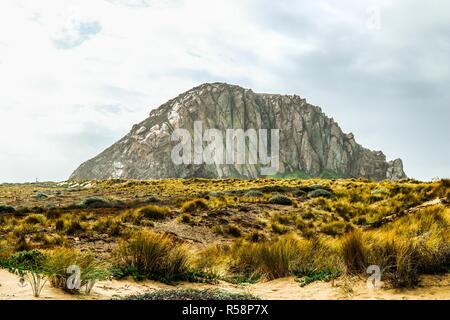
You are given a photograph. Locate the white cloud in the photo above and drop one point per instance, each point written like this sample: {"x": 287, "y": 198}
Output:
{"x": 124, "y": 57}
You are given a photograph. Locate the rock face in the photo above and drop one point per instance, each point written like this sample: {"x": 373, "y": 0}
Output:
{"x": 309, "y": 142}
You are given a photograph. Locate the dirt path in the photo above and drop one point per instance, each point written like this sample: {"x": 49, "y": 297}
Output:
{"x": 433, "y": 287}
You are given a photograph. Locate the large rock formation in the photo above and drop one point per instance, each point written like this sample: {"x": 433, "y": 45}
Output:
{"x": 310, "y": 143}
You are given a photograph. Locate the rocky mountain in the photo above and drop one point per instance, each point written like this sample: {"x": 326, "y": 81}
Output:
{"x": 310, "y": 143}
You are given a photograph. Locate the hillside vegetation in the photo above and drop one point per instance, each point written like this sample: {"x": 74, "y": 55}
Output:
{"x": 232, "y": 230}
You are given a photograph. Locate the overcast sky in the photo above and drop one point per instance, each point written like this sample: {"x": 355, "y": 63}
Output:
{"x": 75, "y": 75}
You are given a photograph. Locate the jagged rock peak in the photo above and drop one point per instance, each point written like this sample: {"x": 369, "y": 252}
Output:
{"x": 310, "y": 143}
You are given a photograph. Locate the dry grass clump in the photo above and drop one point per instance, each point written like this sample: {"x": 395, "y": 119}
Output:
{"x": 279, "y": 228}
{"x": 35, "y": 219}
{"x": 58, "y": 261}
{"x": 154, "y": 256}
{"x": 413, "y": 245}
{"x": 108, "y": 225}
{"x": 282, "y": 257}
{"x": 194, "y": 205}
{"x": 153, "y": 212}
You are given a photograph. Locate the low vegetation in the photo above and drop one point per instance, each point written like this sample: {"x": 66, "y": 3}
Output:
{"x": 192, "y": 294}
{"x": 233, "y": 230}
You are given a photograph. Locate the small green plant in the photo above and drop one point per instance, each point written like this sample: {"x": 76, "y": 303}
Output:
{"x": 280, "y": 199}
{"x": 317, "y": 275}
{"x": 28, "y": 265}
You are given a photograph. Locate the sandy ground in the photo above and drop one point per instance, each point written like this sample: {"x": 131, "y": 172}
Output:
{"x": 433, "y": 287}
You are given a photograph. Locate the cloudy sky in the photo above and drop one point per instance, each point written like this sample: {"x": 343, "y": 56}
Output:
{"x": 75, "y": 75}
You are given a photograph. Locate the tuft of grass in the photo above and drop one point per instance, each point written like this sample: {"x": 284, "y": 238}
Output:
{"x": 58, "y": 261}
{"x": 186, "y": 218}
{"x": 109, "y": 226}
{"x": 279, "y": 229}
{"x": 60, "y": 225}
{"x": 154, "y": 212}
{"x": 336, "y": 228}
{"x": 354, "y": 252}
{"x": 75, "y": 227}
{"x": 35, "y": 219}
{"x": 154, "y": 256}
{"x": 273, "y": 260}
{"x": 194, "y": 205}
{"x": 232, "y": 230}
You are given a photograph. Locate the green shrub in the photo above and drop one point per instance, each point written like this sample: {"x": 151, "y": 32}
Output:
{"x": 320, "y": 193}
{"x": 25, "y": 260}
{"x": 95, "y": 202}
{"x": 280, "y": 199}
{"x": 152, "y": 199}
{"x": 254, "y": 193}
{"x": 154, "y": 212}
{"x": 299, "y": 193}
{"x": 6, "y": 209}
{"x": 29, "y": 265}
